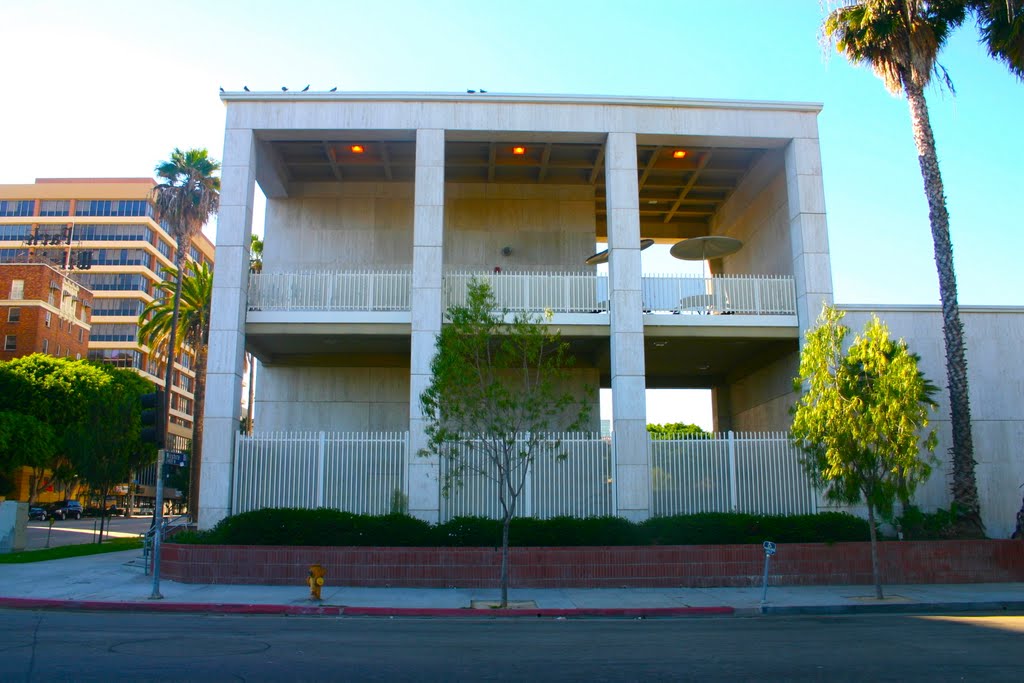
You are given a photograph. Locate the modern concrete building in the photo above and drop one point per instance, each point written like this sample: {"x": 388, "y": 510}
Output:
{"x": 381, "y": 206}
{"x": 101, "y": 232}
{"x": 407, "y": 195}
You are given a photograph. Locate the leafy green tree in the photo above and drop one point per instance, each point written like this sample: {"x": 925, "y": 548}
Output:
{"x": 498, "y": 389}
{"x": 25, "y": 442}
{"x": 193, "y": 329}
{"x": 860, "y": 417}
{"x": 106, "y": 446}
{"x": 674, "y": 430}
{"x": 901, "y": 40}
{"x": 56, "y": 392}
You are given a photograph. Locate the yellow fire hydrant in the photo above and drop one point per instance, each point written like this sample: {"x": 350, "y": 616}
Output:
{"x": 315, "y": 581}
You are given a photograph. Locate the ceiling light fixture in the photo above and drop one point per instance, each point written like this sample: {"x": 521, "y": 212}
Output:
{"x": 357, "y": 149}
{"x": 519, "y": 150}
{"x": 679, "y": 154}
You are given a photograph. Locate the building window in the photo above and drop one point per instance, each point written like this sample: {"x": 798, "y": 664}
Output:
{"x": 113, "y": 232}
{"x": 114, "y": 333}
{"x": 81, "y": 333}
{"x": 54, "y": 207}
{"x": 78, "y": 356}
{"x": 132, "y": 307}
{"x": 46, "y": 319}
{"x": 58, "y": 351}
{"x": 15, "y": 232}
{"x": 10, "y": 342}
{"x": 17, "y": 289}
{"x": 113, "y": 207}
{"x": 17, "y": 207}
{"x": 13, "y": 315}
{"x": 46, "y": 346}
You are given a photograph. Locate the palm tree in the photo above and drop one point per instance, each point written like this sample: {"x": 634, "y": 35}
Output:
{"x": 255, "y": 266}
{"x": 1001, "y": 24}
{"x": 900, "y": 40}
{"x": 192, "y": 306}
{"x": 185, "y": 197}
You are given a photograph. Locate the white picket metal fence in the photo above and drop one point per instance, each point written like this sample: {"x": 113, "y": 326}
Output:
{"x": 753, "y": 472}
{"x": 558, "y": 292}
{"x": 367, "y": 290}
{"x": 534, "y": 291}
{"x": 729, "y": 294}
{"x": 353, "y": 471}
{"x": 578, "y": 485}
{"x": 367, "y": 472}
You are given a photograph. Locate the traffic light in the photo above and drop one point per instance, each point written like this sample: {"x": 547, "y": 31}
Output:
{"x": 154, "y": 415}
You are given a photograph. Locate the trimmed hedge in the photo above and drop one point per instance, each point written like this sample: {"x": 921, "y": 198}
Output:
{"x": 324, "y": 527}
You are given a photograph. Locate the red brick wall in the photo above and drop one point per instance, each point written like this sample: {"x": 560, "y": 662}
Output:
{"x": 31, "y": 329}
{"x": 613, "y": 567}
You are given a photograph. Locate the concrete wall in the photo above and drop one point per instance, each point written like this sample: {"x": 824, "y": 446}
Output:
{"x": 548, "y": 227}
{"x": 332, "y": 398}
{"x": 342, "y": 225}
{"x": 360, "y": 225}
{"x": 996, "y": 379}
{"x": 758, "y": 214}
{"x": 359, "y": 399}
{"x": 760, "y": 400}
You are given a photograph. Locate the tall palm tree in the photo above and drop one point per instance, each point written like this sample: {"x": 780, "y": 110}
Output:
{"x": 1001, "y": 24}
{"x": 255, "y": 266}
{"x": 900, "y": 40}
{"x": 193, "y": 329}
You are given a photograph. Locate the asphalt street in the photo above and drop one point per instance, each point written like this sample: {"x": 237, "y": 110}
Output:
{"x": 57, "y": 646}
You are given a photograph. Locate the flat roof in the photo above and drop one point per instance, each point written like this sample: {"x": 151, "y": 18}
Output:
{"x": 516, "y": 98}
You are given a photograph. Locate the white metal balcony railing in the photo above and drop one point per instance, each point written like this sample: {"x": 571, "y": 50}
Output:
{"x": 570, "y": 292}
{"x": 534, "y": 291}
{"x": 367, "y": 290}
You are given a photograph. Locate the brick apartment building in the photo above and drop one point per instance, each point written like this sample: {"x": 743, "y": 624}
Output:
{"x": 42, "y": 310}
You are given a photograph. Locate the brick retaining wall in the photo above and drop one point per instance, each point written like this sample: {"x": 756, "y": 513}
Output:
{"x": 596, "y": 567}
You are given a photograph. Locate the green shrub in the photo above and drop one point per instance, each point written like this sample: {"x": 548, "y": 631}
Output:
{"x": 927, "y": 526}
{"x": 324, "y": 527}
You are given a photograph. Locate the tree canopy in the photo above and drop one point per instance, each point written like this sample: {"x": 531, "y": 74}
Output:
{"x": 497, "y": 391}
{"x": 860, "y": 419}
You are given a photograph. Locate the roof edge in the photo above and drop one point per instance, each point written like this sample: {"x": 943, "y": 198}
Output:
{"x": 518, "y": 98}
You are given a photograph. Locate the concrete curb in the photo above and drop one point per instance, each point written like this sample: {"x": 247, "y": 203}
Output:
{"x": 632, "y": 612}
{"x": 171, "y": 607}
{"x": 900, "y": 608}
{"x": 341, "y": 610}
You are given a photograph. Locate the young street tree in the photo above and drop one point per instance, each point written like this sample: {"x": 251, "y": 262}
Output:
{"x": 860, "y": 418}
{"x": 499, "y": 388}
{"x": 187, "y": 194}
{"x": 901, "y": 40}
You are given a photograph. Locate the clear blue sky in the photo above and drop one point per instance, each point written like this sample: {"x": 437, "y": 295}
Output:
{"x": 109, "y": 88}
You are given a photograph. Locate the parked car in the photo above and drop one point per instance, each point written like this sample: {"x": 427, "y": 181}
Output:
{"x": 37, "y": 513}
{"x": 65, "y": 509}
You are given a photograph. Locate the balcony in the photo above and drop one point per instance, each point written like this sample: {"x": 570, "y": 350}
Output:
{"x": 566, "y": 293}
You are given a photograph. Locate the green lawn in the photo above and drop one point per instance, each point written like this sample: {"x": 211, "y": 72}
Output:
{"x": 63, "y": 551}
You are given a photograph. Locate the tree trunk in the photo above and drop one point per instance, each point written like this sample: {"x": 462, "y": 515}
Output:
{"x": 252, "y": 394}
{"x": 504, "y": 560}
{"x": 198, "y": 406}
{"x": 965, "y": 488}
{"x": 103, "y": 511}
{"x": 874, "y": 552}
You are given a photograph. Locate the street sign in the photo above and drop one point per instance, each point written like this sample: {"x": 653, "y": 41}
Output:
{"x": 176, "y": 458}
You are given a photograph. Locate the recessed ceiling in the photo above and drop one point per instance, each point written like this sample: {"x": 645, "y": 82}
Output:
{"x": 677, "y": 196}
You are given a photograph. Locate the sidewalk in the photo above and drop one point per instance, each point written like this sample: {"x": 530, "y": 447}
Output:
{"x": 109, "y": 582}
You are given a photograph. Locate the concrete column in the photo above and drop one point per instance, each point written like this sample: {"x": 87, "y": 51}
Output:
{"x": 427, "y": 264}
{"x": 227, "y": 326}
{"x": 721, "y": 407}
{"x": 808, "y": 230}
{"x": 629, "y": 406}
